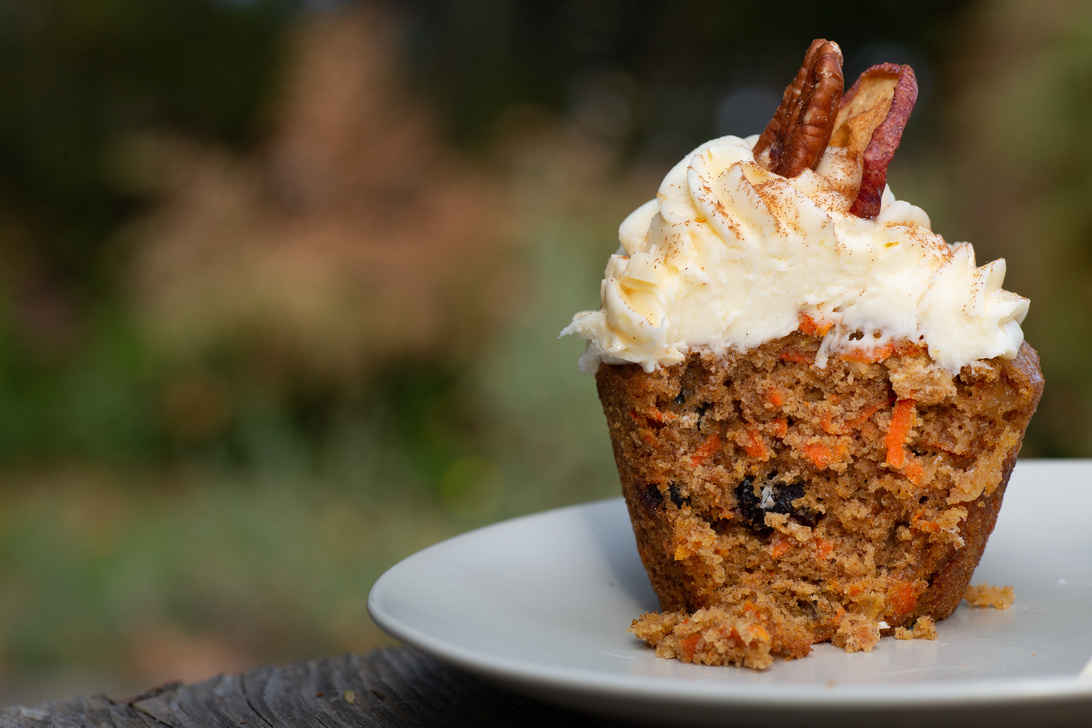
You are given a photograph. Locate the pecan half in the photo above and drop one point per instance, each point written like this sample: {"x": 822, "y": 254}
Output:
{"x": 797, "y": 135}
{"x": 873, "y": 114}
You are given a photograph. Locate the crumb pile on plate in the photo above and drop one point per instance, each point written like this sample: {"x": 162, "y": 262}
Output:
{"x": 814, "y": 401}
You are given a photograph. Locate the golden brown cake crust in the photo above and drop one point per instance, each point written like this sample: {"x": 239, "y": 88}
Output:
{"x": 777, "y": 504}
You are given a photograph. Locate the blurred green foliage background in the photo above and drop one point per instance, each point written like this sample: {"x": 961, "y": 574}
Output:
{"x": 281, "y": 281}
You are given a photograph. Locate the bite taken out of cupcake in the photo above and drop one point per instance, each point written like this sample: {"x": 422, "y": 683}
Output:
{"x": 814, "y": 400}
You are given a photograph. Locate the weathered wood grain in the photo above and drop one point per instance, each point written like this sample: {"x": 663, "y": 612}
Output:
{"x": 389, "y": 688}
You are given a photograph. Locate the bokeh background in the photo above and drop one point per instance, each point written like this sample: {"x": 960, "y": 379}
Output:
{"x": 281, "y": 281}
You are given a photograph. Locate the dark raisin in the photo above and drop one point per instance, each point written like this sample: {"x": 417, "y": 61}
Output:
{"x": 749, "y": 507}
{"x": 702, "y": 410}
{"x": 651, "y": 497}
{"x": 779, "y": 499}
{"x": 680, "y": 399}
{"x": 784, "y": 495}
{"x": 676, "y": 497}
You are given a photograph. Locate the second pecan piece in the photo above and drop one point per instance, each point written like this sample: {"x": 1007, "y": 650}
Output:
{"x": 870, "y": 122}
{"x": 798, "y": 133}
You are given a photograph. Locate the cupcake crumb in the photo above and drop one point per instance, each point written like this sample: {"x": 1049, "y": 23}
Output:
{"x": 985, "y": 595}
{"x": 924, "y": 629}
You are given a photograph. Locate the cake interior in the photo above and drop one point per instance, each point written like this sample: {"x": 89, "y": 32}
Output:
{"x": 777, "y": 504}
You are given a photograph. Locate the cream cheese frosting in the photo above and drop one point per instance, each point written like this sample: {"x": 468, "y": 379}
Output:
{"x": 730, "y": 256}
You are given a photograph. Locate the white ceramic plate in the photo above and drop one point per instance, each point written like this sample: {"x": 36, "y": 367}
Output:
{"x": 542, "y": 604}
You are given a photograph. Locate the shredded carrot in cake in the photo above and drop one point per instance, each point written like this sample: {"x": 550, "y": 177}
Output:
{"x": 688, "y": 646}
{"x": 780, "y": 547}
{"x": 781, "y": 426}
{"x": 819, "y": 454}
{"x": 866, "y": 414}
{"x": 652, "y": 417}
{"x": 826, "y": 421}
{"x": 822, "y": 455}
{"x": 755, "y": 445}
{"x": 879, "y": 353}
{"x": 797, "y": 357}
{"x": 918, "y": 522}
{"x": 869, "y": 356}
{"x": 902, "y": 420}
{"x": 811, "y": 327}
{"x": 914, "y": 471}
{"x": 903, "y": 597}
{"x": 705, "y": 450}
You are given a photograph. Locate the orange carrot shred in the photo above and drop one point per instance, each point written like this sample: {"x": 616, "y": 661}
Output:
{"x": 652, "y": 418}
{"x": 779, "y": 547}
{"x": 659, "y": 416}
{"x": 811, "y": 327}
{"x": 798, "y": 357}
{"x": 902, "y": 420}
{"x": 902, "y": 597}
{"x": 689, "y": 645}
{"x": 755, "y": 446}
{"x": 774, "y": 397}
{"x": 819, "y": 455}
{"x": 865, "y": 415}
{"x": 918, "y": 521}
{"x": 826, "y": 421}
{"x": 915, "y": 472}
{"x": 705, "y": 450}
{"x": 870, "y": 356}
{"x": 756, "y": 631}
{"x": 879, "y": 353}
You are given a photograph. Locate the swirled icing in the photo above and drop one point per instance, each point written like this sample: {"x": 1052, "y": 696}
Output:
{"x": 729, "y": 256}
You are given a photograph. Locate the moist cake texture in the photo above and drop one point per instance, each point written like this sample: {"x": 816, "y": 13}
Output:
{"x": 777, "y": 504}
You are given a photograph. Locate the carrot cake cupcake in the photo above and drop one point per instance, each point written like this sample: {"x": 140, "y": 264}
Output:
{"x": 814, "y": 401}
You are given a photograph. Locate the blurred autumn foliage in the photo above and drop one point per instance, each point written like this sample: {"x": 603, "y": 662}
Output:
{"x": 348, "y": 240}
{"x": 1021, "y": 121}
{"x": 281, "y": 281}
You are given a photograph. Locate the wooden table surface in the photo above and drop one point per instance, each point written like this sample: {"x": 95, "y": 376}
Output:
{"x": 399, "y": 687}
{"x": 396, "y": 687}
